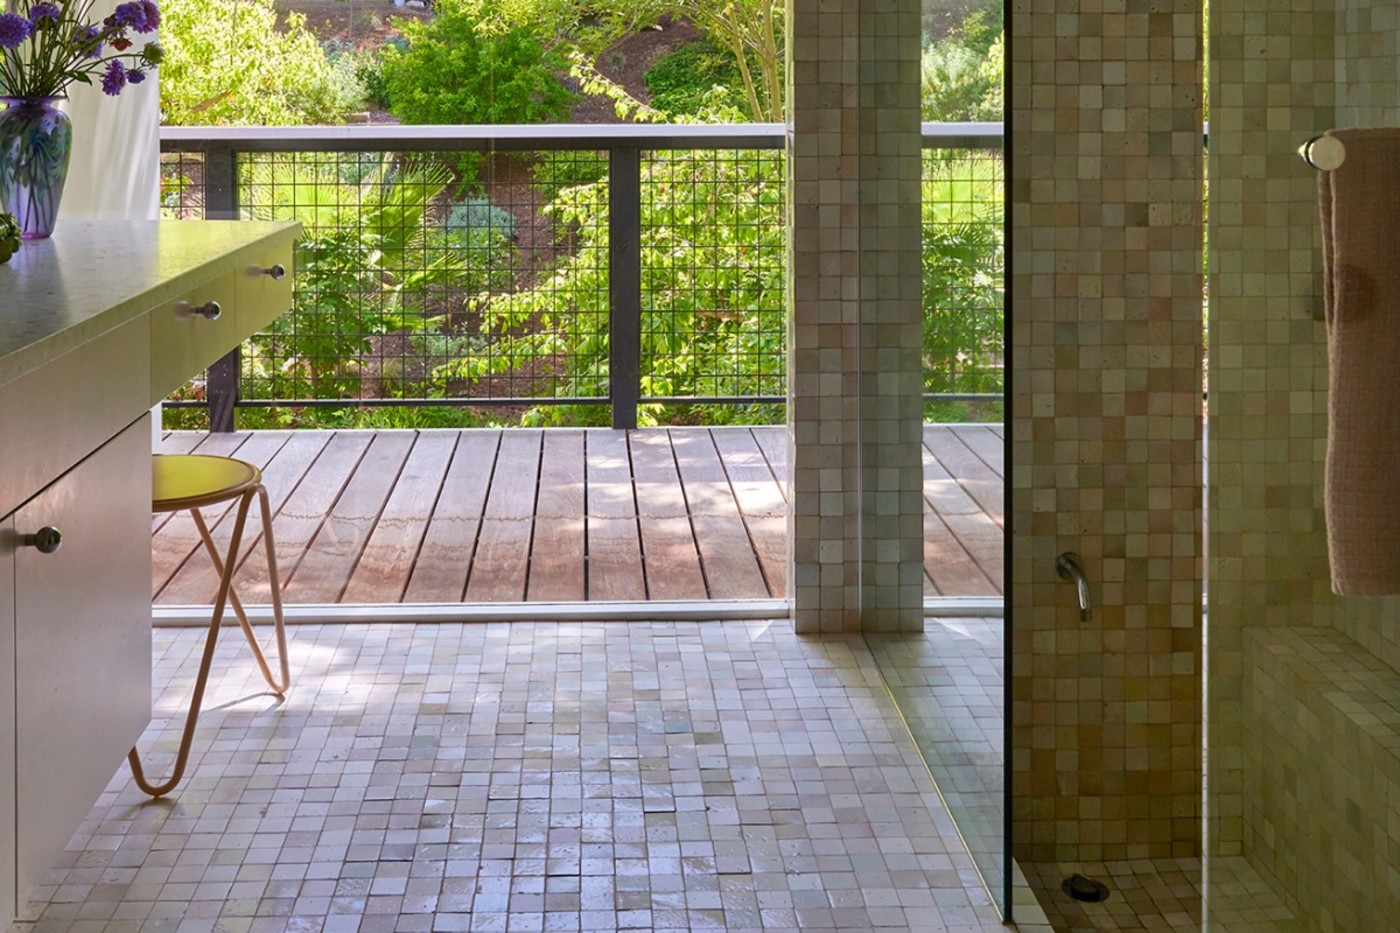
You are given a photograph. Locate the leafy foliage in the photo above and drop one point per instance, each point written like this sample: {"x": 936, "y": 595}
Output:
{"x": 363, "y": 265}
{"x": 963, "y": 286}
{"x": 680, "y": 81}
{"x": 455, "y": 72}
{"x": 961, "y": 83}
{"x": 751, "y": 31}
{"x": 233, "y": 64}
{"x": 713, "y": 282}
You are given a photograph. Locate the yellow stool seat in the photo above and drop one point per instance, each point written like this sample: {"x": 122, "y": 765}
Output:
{"x": 186, "y": 481}
{"x": 192, "y": 482}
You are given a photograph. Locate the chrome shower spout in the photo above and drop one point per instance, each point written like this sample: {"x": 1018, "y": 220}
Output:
{"x": 1068, "y": 567}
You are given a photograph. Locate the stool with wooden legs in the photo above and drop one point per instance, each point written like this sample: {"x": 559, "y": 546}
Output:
{"x": 193, "y": 482}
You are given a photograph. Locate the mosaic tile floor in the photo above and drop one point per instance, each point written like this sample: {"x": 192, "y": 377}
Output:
{"x": 948, "y": 683}
{"x": 535, "y": 777}
{"x": 1160, "y": 894}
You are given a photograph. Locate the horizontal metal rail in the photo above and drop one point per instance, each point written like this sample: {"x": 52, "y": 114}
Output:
{"x": 529, "y": 137}
{"x": 221, "y": 146}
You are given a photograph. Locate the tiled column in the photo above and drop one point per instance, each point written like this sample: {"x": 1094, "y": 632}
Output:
{"x": 854, "y": 367}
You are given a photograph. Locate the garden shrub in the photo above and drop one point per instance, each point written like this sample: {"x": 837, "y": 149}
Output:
{"x": 681, "y": 81}
{"x": 713, "y": 260}
{"x": 559, "y": 169}
{"x": 960, "y": 83}
{"x": 452, "y": 73}
{"x": 365, "y": 263}
{"x": 233, "y": 64}
{"x": 474, "y": 217}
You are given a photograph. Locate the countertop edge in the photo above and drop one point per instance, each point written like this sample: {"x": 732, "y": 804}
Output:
{"x": 262, "y": 236}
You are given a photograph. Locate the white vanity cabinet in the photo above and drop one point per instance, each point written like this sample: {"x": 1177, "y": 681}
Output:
{"x": 96, "y": 324}
{"x": 82, "y": 642}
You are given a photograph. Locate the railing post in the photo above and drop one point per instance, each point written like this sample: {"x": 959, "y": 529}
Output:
{"x": 220, "y": 184}
{"x": 221, "y": 203}
{"x": 221, "y": 390}
{"x": 624, "y": 283}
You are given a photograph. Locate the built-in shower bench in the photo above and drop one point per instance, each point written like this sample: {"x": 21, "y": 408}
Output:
{"x": 1312, "y": 689}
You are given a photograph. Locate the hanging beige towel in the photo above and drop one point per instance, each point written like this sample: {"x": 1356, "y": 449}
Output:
{"x": 1360, "y": 204}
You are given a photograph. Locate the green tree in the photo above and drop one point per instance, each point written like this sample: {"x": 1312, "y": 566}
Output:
{"x": 457, "y": 71}
{"x": 959, "y": 82}
{"x": 232, "y": 64}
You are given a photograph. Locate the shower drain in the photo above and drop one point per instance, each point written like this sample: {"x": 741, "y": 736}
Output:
{"x": 1082, "y": 888}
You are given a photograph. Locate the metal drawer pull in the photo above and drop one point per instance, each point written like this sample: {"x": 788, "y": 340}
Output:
{"x": 47, "y": 539}
{"x": 276, "y": 273}
{"x": 210, "y": 310}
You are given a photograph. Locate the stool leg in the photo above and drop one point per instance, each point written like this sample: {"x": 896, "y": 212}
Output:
{"x": 278, "y": 687}
{"x": 202, "y": 679}
{"x": 270, "y": 548}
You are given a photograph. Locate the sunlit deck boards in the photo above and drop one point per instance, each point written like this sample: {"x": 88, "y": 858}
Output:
{"x": 555, "y": 516}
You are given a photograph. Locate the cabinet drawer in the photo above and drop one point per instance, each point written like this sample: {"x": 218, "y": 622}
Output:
{"x": 53, "y": 416}
{"x": 187, "y": 334}
{"x": 263, "y": 296}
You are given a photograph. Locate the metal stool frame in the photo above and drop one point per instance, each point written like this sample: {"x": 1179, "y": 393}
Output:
{"x": 225, "y": 567}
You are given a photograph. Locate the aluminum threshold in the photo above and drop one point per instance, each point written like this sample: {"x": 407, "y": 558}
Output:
{"x": 711, "y": 610}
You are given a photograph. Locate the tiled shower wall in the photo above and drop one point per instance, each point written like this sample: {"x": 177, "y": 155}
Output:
{"x": 1106, "y": 426}
{"x": 855, "y": 377}
{"x": 1286, "y": 789}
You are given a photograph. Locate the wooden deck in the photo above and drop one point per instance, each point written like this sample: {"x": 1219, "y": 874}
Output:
{"x": 380, "y": 517}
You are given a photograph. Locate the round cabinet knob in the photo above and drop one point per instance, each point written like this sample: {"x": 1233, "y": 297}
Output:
{"x": 277, "y": 272}
{"x": 210, "y": 310}
{"x": 47, "y": 539}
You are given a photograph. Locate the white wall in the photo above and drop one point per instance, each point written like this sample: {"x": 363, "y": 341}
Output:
{"x": 115, "y": 172}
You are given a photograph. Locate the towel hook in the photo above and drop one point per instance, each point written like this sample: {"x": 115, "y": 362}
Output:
{"x": 1325, "y": 153}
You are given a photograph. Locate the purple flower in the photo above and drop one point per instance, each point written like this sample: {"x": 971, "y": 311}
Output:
{"x": 131, "y": 15}
{"x": 115, "y": 78}
{"x": 42, "y": 11}
{"x": 152, "y": 14}
{"x": 89, "y": 34}
{"x": 135, "y": 76}
{"x": 14, "y": 29}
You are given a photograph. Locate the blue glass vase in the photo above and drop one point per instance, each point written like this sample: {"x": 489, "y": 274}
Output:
{"x": 36, "y": 140}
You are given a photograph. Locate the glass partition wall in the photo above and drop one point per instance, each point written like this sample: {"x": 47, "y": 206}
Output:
{"x": 949, "y": 681}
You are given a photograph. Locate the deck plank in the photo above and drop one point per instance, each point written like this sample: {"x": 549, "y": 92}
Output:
{"x": 971, "y": 473}
{"x": 197, "y": 582}
{"x": 670, "y": 557}
{"x": 949, "y": 566}
{"x": 986, "y": 444}
{"x": 501, "y": 565}
{"x": 772, "y": 440}
{"x": 760, "y": 497}
{"x": 387, "y": 561}
{"x": 305, "y": 509}
{"x": 726, "y": 553}
{"x": 325, "y": 570}
{"x": 557, "y": 548}
{"x": 444, "y": 561}
{"x": 613, "y": 538}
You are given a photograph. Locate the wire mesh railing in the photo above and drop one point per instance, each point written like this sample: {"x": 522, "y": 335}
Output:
{"x": 463, "y": 275}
